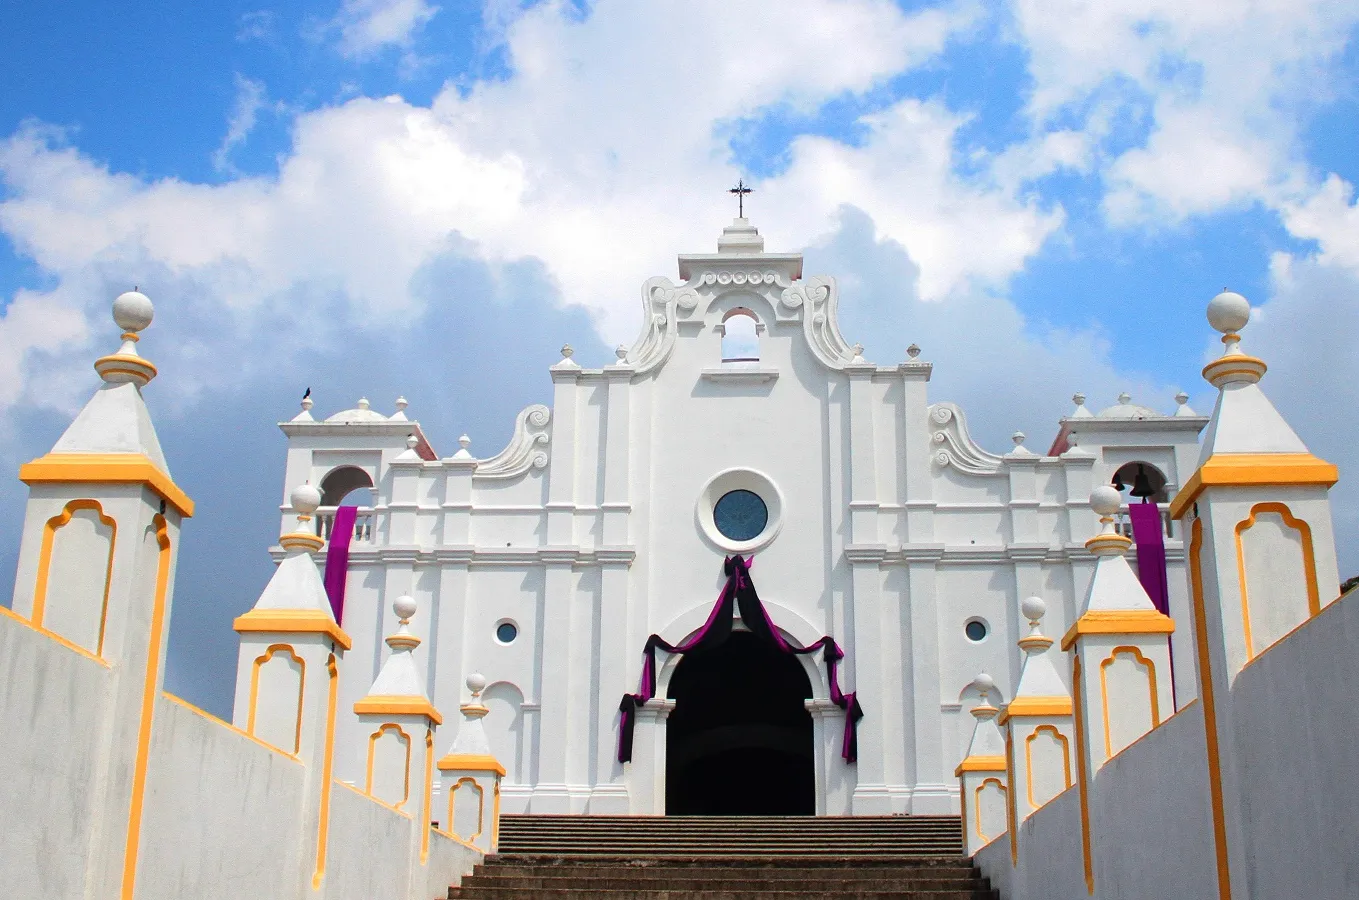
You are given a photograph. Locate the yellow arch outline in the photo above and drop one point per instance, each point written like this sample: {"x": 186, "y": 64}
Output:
{"x": 1309, "y": 564}
{"x": 49, "y": 536}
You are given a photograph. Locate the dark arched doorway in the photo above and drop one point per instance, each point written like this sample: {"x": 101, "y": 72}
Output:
{"x": 739, "y": 740}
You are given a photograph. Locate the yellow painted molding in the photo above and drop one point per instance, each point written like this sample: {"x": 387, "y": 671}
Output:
{"x": 398, "y": 705}
{"x": 981, "y": 764}
{"x": 327, "y": 773}
{"x": 222, "y": 723}
{"x": 1309, "y": 564}
{"x": 1035, "y": 706}
{"x": 472, "y": 762}
{"x": 106, "y": 468}
{"x": 292, "y": 621}
{"x": 1215, "y": 791}
{"x": 1253, "y": 470}
{"x": 8, "y": 613}
{"x": 1119, "y": 621}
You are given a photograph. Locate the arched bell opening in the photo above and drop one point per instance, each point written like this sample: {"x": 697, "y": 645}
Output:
{"x": 740, "y": 740}
{"x": 1141, "y": 481}
{"x": 343, "y": 487}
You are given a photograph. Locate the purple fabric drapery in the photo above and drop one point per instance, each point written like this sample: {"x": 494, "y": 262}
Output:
{"x": 337, "y": 557}
{"x": 1151, "y": 553}
{"x": 739, "y": 592}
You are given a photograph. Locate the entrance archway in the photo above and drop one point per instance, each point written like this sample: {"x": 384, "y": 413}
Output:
{"x": 739, "y": 740}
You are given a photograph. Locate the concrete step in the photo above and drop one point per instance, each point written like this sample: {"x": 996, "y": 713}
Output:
{"x": 727, "y": 882}
{"x": 485, "y": 893}
{"x": 884, "y": 867}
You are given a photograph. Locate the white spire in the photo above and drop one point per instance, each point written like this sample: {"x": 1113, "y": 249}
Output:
{"x": 986, "y": 737}
{"x": 296, "y": 583}
{"x": 471, "y": 740}
{"x": 400, "y": 676}
{"x": 115, "y": 419}
{"x": 1038, "y": 677}
{"x": 740, "y": 238}
{"x": 1114, "y": 586}
{"x": 1080, "y": 412}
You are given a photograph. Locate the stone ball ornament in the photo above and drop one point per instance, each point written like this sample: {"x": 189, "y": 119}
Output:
{"x": 1033, "y": 608}
{"x": 305, "y": 499}
{"x": 1105, "y": 500}
{"x": 404, "y": 607}
{"x": 132, "y": 311}
{"x": 984, "y": 683}
{"x": 1228, "y": 312}
{"x": 476, "y": 683}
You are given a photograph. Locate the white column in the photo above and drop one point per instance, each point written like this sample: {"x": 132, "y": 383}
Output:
{"x": 646, "y": 772}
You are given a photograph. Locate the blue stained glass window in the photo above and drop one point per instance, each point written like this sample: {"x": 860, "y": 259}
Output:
{"x": 740, "y": 515}
{"x": 976, "y": 630}
{"x": 505, "y": 632}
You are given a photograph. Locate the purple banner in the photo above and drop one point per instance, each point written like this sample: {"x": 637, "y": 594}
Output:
{"x": 739, "y": 592}
{"x": 337, "y": 558}
{"x": 1151, "y": 552}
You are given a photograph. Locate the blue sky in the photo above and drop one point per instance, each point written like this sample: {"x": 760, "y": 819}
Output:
{"x": 383, "y": 197}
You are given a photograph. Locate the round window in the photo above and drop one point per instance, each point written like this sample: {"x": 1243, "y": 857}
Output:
{"x": 506, "y": 632}
{"x": 976, "y": 630}
{"x": 740, "y": 515}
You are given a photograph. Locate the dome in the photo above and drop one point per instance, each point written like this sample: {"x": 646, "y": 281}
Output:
{"x": 1126, "y": 409}
{"x": 360, "y": 413}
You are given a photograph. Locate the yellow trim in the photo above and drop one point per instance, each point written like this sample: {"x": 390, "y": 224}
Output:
{"x": 981, "y": 764}
{"x": 371, "y": 799}
{"x": 1253, "y": 470}
{"x": 1028, "y": 761}
{"x": 427, "y": 799}
{"x": 398, "y": 705}
{"x": 106, "y": 468}
{"x": 149, "y": 687}
{"x": 180, "y": 701}
{"x": 1309, "y": 564}
{"x": 471, "y": 762}
{"x": 327, "y": 773}
{"x": 406, "y": 774}
{"x": 453, "y": 837}
{"x": 1234, "y": 364}
{"x": 1082, "y": 774}
{"x": 1224, "y": 881}
{"x": 481, "y": 808}
{"x": 49, "y": 539}
{"x": 1035, "y": 706}
{"x": 1104, "y": 692}
{"x": 981, "y": 835}
{"x": 255, "y": 690}
{"x": 495, "y": 816}
{"x": 1010, "y": 811}
{"x": 292, "y": 621}
{"x": 52, "y": 635}
{"x": 1119, "y": 621}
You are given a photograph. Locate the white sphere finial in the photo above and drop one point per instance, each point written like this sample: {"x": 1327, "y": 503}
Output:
{"x": 984, "y": 683}
{"x": 363, "y": 403}
{"x": 621, "y": 352}
{"x": 476, "y": 683}
{"x": 132, "y": 311}
{"x": 1018, "y": 438}
{"x": 305, "y": 499}
{"x": 568, "y": 351}
{"x": 401, "y": 403}
{"x": 1181, "y": 398}
{"x": 404, "y": 607}
{"x": 1105, "y": 500}
{"x": 464, "y": 442}
{"x": 1228, "y": 312}
{"x": 412, "y": 442}
{"x": 1033, "y": 609}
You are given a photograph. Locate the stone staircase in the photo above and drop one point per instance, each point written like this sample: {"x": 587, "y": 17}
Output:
{"x": 727, "y": 858}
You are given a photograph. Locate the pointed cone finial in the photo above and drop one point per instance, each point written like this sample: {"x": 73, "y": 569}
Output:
{"x": 132, "y": 312}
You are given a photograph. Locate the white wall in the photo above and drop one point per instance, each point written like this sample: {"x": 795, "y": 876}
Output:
{"x": 221, "y": 814}
{"x": 52, "y": 702}
{"x": 368, "y": 848}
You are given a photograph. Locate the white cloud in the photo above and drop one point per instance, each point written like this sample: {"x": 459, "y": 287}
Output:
{"x": 257, "y": 25}
{"x": 369, "y": 26}
{"x": 250, "y": 99}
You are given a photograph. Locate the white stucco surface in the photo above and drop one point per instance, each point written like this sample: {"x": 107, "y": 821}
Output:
{"x": 52, "y": 704}
{"x": 367, "y": 852}
{"x": 221, "y": 812}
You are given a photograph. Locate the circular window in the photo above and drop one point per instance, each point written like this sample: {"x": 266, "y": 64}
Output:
{"x": 506, "y": 632}
{"x": 740, "y": 515}
{"x": 976, "y": 630}
{"x": 739, "y": 510}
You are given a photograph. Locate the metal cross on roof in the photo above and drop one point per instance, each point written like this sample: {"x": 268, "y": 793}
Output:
{"x": 740, "y": 191}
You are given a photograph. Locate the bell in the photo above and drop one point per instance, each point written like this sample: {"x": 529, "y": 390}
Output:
{"x": 1118, "y": 483}
{"x": 1141, "y": 485}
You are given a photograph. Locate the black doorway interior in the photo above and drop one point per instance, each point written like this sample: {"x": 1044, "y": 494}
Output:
{"x": 739, "y": 740}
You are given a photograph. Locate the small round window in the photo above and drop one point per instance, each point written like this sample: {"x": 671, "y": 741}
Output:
{"x": 740, "y": 515}
{"x": 506, "y": 632}
{"x": 976, "y": 630}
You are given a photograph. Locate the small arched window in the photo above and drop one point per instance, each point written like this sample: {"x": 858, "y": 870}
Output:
{"x": 740, "y": 337}
{"x": 347, "y": 483}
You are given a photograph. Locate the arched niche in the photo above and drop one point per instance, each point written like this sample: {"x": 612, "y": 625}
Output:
{"x": 339, "y": 483}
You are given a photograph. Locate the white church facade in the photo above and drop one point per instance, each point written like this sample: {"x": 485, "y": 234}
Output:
{"x": 868, "y": 513}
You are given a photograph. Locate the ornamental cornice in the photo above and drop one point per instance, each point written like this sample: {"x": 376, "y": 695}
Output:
{"x": 481, "y": 557}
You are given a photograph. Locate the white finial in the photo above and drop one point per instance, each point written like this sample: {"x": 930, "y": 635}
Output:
{"x": 132, "y": 312}
{"x": 1035, "y": 641}
{"x": 304, "y": 500}
{"x": 412, "y": 442}
{"x": 568, "y": 351}
{"x": 476, "y": 683}
{"x": 1182, "y": 405}
{"x": 1181, "y": 398}
{"x": 307, "y": 404}
{"x": 1228, "y": 313}
{"x": 401, "y": 404}
{"x": 985, "y": 684}
{"x": 1080, "y": 412}
{"x": 1078, "y": 398}
{"x": 1018, "y": 438}
{"x": 1105, "y": 500}
{"x": 363, "y": 403}
{"x": 464, "y": 442}
{"x": 1124, "y": 398}
{"x": 1033, "y": 608}
{"x": 405, "y": 608}
{"x": 858, "y": 351}
{"x": 621, "y": 352}
{"x": 913, "y": 351}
